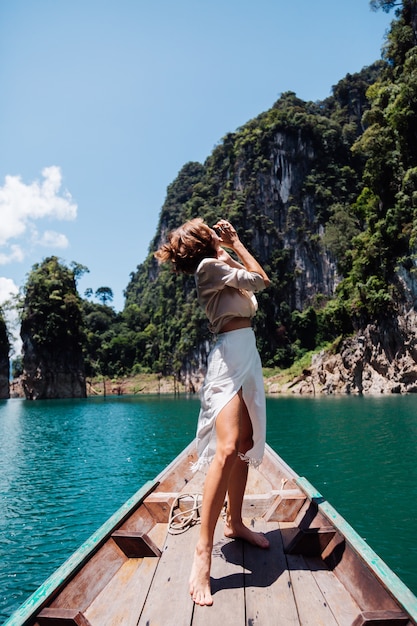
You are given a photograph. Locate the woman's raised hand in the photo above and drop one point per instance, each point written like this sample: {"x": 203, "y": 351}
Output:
{"x": 226, "y": 233}
{"x": 229, "y": 238}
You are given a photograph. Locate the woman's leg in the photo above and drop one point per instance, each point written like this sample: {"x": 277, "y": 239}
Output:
{"x": 227, "y": 472}
{"x": 215, "y": 487}
{"x": 236, "y": 488}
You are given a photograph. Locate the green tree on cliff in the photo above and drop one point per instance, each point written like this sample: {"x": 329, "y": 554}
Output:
{"x": 385, "y": 5}
{"x": 388, "y": 200}
{"x": 104, "y": 295}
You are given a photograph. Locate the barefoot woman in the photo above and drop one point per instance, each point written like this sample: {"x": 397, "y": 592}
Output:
{"x": 232, "y": 422}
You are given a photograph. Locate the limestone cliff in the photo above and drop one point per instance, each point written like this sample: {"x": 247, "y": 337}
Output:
{"x": 285, "y": 212}
{"x": 51, "y": 376}
{"x": 280, "y": 179}
{"x": 4, "y": 360}
{"x": 4, "y": 379}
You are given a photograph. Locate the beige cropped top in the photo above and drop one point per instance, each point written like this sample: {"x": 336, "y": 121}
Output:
{"x": 226, "y": 292}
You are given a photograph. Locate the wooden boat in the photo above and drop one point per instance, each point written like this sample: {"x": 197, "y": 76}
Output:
{"x": 133, "y": 571}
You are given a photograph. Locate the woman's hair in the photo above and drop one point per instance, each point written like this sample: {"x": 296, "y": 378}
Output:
{"x": 187, "y": 246}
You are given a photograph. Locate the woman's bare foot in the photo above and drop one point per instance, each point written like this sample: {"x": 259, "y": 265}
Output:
{"x": 200, "y": 577}
{"x": 241, "y": 531}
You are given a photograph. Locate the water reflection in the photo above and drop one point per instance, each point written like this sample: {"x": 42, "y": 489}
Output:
{"x": 10, "y": 436}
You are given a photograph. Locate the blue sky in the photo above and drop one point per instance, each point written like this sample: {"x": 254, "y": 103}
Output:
{"x": 103, "y": 102}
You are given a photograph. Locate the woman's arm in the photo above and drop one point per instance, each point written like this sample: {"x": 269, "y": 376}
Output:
{"x": 230, "y": 239}
{"x": 224, "y": 256}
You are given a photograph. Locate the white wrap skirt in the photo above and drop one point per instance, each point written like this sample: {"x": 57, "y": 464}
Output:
{"x": 233, "y": 364}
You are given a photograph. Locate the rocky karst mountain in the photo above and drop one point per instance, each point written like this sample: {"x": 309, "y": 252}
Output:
{"x": 4, "y": 360}
{"x": 280, "y": 179}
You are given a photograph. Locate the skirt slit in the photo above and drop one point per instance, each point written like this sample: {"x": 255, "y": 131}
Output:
{"x": 233, "y": 364}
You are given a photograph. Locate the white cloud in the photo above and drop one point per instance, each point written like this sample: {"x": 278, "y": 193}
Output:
{"x": 21, "y": 205}
{"x": 7, "y": 289}
{"x": 15, "y": 253}
{"x": 51, "y": 239}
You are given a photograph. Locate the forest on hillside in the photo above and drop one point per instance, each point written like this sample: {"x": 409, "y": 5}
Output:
{"x": 323, "y": 193}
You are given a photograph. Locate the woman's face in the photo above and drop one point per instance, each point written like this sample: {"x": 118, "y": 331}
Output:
{"x": 215, "y": 238}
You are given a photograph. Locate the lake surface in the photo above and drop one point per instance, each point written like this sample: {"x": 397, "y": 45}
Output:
{"x": 66, "y": 466}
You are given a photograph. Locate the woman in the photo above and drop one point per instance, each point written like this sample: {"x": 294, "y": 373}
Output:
{"x": 232, "y": 421}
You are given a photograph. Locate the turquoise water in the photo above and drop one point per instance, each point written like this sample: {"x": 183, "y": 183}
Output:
{"x": 66, "y": 466}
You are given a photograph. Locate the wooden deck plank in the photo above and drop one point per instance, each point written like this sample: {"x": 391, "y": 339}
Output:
{"x": 194, "y": 484}
{"x": 312, "y": 606}
{"x": 80, "y": 592}
{"x": 269, "y": 596}
{"x": 121, "y": 601}
{"x": 341, "y": 603}
{"x": 258, "y": 482}
{"x": 168, "y": 601}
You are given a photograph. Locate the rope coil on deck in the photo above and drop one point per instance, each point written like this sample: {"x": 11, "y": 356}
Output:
{"x": 181, "y": 521}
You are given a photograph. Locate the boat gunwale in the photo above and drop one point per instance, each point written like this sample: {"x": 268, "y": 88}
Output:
{"x": 391, "y": 582}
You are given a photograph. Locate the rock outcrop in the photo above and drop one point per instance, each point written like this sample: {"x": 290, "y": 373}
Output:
{"x": 4, "y": 379}
{"x": 290, "y": 218}
{"x": 49, "y": 376}
{"x": 380, "y": 360}
{"x": 4, "y": 361}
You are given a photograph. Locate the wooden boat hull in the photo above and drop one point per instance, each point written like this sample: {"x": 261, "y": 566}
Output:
{"x": 132, "y": 571}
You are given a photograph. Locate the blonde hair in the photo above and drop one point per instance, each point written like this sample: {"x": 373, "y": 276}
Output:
{"x": 187, "y": 246}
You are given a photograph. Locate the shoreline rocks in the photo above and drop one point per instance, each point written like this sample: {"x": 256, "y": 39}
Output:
{"x": 379, "y": 360}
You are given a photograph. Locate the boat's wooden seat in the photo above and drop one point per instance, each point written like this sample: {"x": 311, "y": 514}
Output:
{"x": 310, "y": 541}
{"x": 381, "y": 618}
{"x": 275, "y": 505}
{"x": 135, "y": 545}
{"x": 62, "y": 617}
